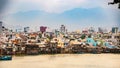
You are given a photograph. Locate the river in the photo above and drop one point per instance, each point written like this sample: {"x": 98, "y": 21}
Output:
{"x": 64, "y": 61}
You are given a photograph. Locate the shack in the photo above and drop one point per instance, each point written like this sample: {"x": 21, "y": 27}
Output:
{"x": 32, "y": 49}
{"x": 9, "y": 50}
{"x": 0, "y": 51}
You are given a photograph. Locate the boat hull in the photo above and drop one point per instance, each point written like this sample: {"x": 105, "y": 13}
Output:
{"x": 5, "y": 58}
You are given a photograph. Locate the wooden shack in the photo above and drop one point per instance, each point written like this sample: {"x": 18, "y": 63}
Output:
{"x": 0, "y": 51}
{"x": 9, "y": 50}
{"x": 32, "y": 49}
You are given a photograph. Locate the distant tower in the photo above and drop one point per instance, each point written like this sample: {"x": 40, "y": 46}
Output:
{"x": 26, "y": 29}
{"x": 43, "y": 29}
{"x": 114, "y": 29}
{"x": 100, "y": 30}
{"x": 0, "y": 27}
{"x": 91, "y": 30}
{"x": 18, "y": 28}
{"x": 62, "y": 29}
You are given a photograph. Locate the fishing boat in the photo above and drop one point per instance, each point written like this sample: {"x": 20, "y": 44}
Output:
{"x": 4, "y": 57}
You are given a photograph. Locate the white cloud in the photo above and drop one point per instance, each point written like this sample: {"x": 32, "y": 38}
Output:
{"x": 58, "y": 6}
{"x": 53, "y": 6}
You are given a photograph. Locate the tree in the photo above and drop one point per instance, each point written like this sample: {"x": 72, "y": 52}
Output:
{"x": 83, "y": 36}
{"x": 115, "y": 2}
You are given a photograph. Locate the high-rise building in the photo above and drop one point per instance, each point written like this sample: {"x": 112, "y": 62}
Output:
{"x": 91, "y": 30}
{"x": 18, "y": 28}
{"x": 63, "y": 29}
{"x": 102, "y": 30}
{"x": 43, "y": 29}
{"x": 0, "y": 27}
{"x": 115, "y": 29}
{"x": 26, "y": 29}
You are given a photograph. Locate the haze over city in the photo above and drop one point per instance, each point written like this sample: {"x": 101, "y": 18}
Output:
{"x": 77, "y": 14}
{"x": 59, "y": 33}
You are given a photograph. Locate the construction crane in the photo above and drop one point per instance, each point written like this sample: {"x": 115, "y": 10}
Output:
{"x": 115, "y": 2}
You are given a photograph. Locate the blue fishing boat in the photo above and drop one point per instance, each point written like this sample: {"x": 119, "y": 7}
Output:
{"x": 5, "y": 58}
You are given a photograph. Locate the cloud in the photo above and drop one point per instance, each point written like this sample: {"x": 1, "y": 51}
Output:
{"x": 58, "y": 7}
{"x": 50, "y": 6}
{"x": 53, "y": 6}
{"x": 2, "y": 4}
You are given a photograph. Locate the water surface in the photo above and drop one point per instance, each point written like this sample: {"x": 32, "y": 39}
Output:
{"x": 64, "y": 61}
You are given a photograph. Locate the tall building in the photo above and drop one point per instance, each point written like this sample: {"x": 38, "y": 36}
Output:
{"x": 18, "y": 28}
{"x": 0, "y": 27}
{"x": 26, "y": 29}
{"x": 102, "y": 30}
{"x": 63, "y": 29}
{"x": 115, "y": 30}
{"x": 43, "y": 29}
{"x": 91, "y": 30}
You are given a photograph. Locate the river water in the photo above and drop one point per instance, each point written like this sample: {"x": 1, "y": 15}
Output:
{"x": 64, "y": 61}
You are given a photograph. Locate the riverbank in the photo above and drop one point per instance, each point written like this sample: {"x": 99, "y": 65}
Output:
{"x": 64, "y": 61}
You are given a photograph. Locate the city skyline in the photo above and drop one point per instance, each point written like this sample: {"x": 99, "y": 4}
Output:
{"x": 77, "y": 14}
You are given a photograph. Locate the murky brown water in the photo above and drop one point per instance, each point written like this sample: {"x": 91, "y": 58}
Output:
{"x": 64, "y": 61}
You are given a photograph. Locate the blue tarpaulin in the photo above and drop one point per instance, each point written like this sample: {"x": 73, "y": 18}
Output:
{"x": 90, "y": 40}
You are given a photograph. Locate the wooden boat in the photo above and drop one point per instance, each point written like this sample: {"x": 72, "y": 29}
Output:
{"x": 5, "y": 58}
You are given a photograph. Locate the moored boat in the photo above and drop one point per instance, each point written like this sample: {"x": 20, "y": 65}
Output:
{"x": 5, "y": 58}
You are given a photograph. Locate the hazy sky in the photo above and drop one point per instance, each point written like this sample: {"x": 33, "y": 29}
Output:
{"x": 74, "y": 14}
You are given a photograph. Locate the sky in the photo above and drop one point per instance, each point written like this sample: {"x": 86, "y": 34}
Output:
{"x": 74, "y": 14}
